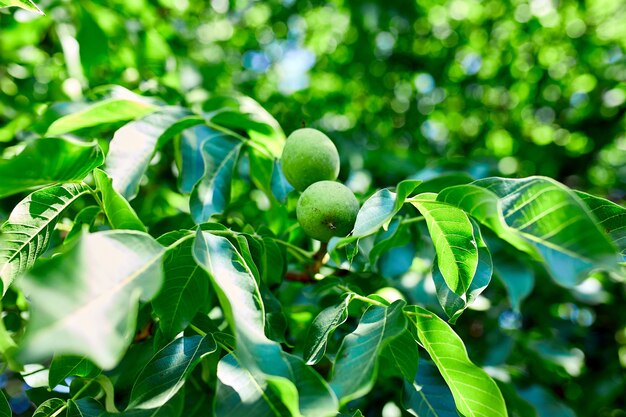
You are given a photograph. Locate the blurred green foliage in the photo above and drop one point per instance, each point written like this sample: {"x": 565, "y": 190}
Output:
{"x": 516, "y": 88}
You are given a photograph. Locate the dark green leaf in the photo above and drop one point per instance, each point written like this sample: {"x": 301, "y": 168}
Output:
{"x": 428, "y": 395}
{"x": 64, "y": 366}
{"x": 322, "y": 327}
{"x": 191, "y": 150}
{"x": 280, "y": 185}
{"x": 5, "y": 409}
{"x": 403, "y": 356}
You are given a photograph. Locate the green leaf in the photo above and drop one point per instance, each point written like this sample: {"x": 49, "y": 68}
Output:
{"x": 185, "y": 288}
{"x": 5, "y": 409}
{"x": 166, "y": 372}
{"x": 453, "y": 238}
{"x": 428, "y": 395}
{"x": 322, "y": 327}
{"x": 85, "y": 407}
{"x": 453, "y": 304}
{"x": 102, "y": 112}
{"x": 475, "y": 393}
{"x": 547, "y": 216}
{"x": 242, "y": 391}
{"x": 355, "y": 368}
{"x": 64, "y": 366}
{"x": 26, "y": 234}
{"x": 117, "y": 209}
{"x": 378, "y": 210}
{"x": 133, "y": 146}
{"x": 49, "y": 408}
{"x": 48, "y": 161}
{"x": 611, "y": 218}
{"x": 280, "y": 186}
{"x": 212, "y": 192}
{"x": 243, "y": 308}
{"x": 545, "y": 403}
{"x": 402, "y": 354}
{"x": 85, "y": 217}
{"x": 72, "y": 291}
{"x": 193, "y": 166}
{"x": 22, "y": 4}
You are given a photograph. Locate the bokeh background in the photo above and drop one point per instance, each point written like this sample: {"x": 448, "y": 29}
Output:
{"x": 405, "y": 89}
{"x": 512, "y": 87}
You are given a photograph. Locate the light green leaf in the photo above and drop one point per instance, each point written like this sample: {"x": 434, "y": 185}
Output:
{"x": 611, "y": 218}
{"x": 242, "y": 391}
{"x": 379, "y": 209}
{"x": 64, "y": 366}
{"x": 185, "y": 288}
{"x": 453, "y": 238}
{"x": 102, "y": 112}
{"x": 475, "y": 393}
{"x": 26, "y": 234}
{"x": 48, "y": 161}
{"x": 117, "y": 209}
{"x": 72, "y": 291}
{"x": 85, "y": 217}
{"x": 22, "y": 4}
{"x": 5, "y": 409}
{"x": 49, "y": 408}
{"x": 167, "y": 371}
{"x": 322, "y": 327}
{"x": 428, "y": 395}
{"x": 212, "y": 193}
{"x": 355, "y": 368}
{"x": 133, "y": 146}
{"x": 542, "y": 216}
{"x": 193, "y": 167}
{"x": 453, "y": 304}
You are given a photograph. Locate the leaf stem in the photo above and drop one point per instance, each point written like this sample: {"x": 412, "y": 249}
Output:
{"x": 361, "y": 297}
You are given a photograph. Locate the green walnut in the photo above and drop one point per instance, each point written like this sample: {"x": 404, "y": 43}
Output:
{"x": 309, "y": 156}
{"x": 327, "y": 209}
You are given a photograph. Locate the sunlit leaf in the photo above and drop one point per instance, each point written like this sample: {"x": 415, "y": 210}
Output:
{"x": 611, "y": 218}
{"x": 454, "y": 241}
{"x": 102, "y": 112}
{"x": 23, "y": 4}
{"x": 26, "y": 234}
{"x": 48, "y": 161}
{"x": 72, "y": 291}
{"x": 117, "y": 209}
{"x": 474, "y": 392}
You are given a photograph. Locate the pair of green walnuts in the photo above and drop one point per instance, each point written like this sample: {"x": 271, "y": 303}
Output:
{"x": 310, "y": 163}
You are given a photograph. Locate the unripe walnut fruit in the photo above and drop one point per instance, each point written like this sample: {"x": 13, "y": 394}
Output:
{"x": 326, "y": 209}
{"x": 309, "y": 156}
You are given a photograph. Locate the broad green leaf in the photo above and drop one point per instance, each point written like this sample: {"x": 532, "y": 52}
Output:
{"x": 474, "y": 392}
{"x": 355, "y": 368}
{"x": 22, "y": 4}
{"x": 85, "y": 217}
{"x": 280, "y": 186}
{"x": 102, "y": 112}
{"x": 242, "y": 391}
{"x": 133, "y": 146}
{"x": 273, "y": 263}
{"x": 322, "y": 327}
{"x": 117, "y": 209}
{"x": 48, "y": 161}
{"x": 26, "y": 234}
{"x": 212, "y": 192}
{"x": 49, "y": 408}
{"x": 428, "y": 395}
{"x": 185, "y": 287}
{"x": 516, "y": 275}
{"x": 192, "y": 141}
{"x": 379, "y": 209}
{"x": 84, "y": 407}
{"x": 402, "y": 355}
{"x": 72, "y": 291}
{"x": 243, "y": 308}
{"x": 88, "y": 407}
{"x": 454, "y": 241}
{"x": 546, "y": 215}
{"x": 611, "y": 218}
{"x": 5, "y": 409}
{"x": 64, "y": 366}
{"x": 167, "y": 371}
{"x": 453, "y": 304}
